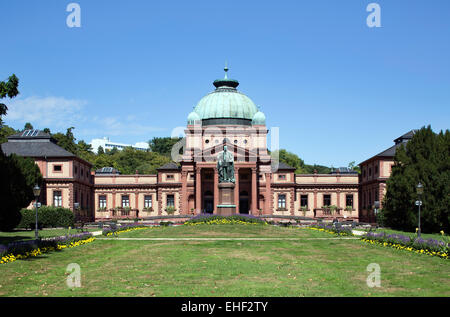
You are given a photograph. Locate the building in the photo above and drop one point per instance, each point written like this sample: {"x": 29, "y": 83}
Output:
{"x": 227, "y": 117}
{"x": 68, "y": 181}
{"x": 374, "y": 173}
{"x": 224, "y": 116}
{"x": 106, "y": 144}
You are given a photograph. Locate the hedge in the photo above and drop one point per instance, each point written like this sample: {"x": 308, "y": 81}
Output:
{"x": 48, "y": 217}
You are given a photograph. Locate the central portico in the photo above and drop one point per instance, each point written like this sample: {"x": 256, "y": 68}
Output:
{"x": 225, "y": 119}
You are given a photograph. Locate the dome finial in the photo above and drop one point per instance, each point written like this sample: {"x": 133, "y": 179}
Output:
{"x": 226, "y": 70}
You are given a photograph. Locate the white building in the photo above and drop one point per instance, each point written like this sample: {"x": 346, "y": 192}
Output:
{"x": 106, "y": 144}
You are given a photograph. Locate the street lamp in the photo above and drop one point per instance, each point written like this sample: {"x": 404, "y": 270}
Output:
{"x": 376, "y": 206}
{"x": 419, "y": 191}
{"x": 37, "y": 193}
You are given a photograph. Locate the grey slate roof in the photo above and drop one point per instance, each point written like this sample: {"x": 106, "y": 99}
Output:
{"x": 35, "y": 143}
{"x": 35, "y": 149}
{"x": 284, "y": 166}
{"x": 169, "y": 166}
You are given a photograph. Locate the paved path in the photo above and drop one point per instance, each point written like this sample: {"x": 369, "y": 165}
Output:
{"x": 226, "y": 239}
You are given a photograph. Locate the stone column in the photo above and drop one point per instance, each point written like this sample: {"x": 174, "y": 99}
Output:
{"x": 216, "y": 189}
{"x": 254, "y": 210}
{"x": 183, "y": 201}
{"x": 268, "y": 194}
{"x": 236, "y": 188}
{"x": 198, "y": 193}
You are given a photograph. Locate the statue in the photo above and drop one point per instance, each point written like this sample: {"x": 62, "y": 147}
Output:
{"x": 225, "y": 166}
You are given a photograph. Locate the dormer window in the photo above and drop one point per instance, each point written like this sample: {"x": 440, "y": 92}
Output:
{"x": 57, "y": 168}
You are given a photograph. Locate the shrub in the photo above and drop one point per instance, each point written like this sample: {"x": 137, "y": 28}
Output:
{"x": 209, "y": 219}
{"x": 48, "y": 217}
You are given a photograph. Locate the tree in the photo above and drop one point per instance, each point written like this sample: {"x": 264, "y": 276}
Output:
{"x": 290, "y": 159}
{"x": 5, "y": 132}
{"x": 100, "y": 150}
{"x": 424, "y": 159}
{"x": 8, "y": 88}
{"x": 163, "y": 146}
{"x": 354, "y": 167}
{"x": 18, "y": 176}
{"x": 66, "y": 141}
{"x": 28, "y": 126}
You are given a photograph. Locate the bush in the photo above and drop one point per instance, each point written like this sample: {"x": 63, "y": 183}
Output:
{"x": 48, "y": 217}
{"x": 209, "y": 219}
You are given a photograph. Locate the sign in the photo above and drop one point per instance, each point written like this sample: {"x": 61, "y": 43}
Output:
{"x": 38, "y": 205}
{"x": 418, "y": 203}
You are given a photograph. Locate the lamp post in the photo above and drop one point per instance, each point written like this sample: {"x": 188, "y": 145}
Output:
{"x": 376, "y": 206}
{"x": 37, "y": 193}
{"x": 419, "y": 191}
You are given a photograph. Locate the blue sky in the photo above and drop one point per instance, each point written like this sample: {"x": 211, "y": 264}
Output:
{"x": 338, "y": 90}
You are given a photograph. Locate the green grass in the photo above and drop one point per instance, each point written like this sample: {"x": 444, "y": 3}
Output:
{"x": 112, "y": 267}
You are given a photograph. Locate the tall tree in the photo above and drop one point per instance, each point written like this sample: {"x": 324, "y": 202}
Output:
{"x": 425, "y": 160}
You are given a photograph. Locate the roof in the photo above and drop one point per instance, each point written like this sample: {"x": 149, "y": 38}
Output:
{"x": 169, "y": 166}
{"x": 284, "y": 166}
{"x": 343, "y": 170}
{"x": 390, "y": 152}
{"x": 405, "y": 137}
{"x": 30, "y": 134}
{"x": 107, "y": 170}
{"x": 226, "y": 102}
{"x": 35, "y": 149}
{"x": 35, "y": 143}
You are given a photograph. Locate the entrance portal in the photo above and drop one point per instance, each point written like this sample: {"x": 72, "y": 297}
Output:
{"x": 243, "y": 202}
{"x": 208, "y": 202}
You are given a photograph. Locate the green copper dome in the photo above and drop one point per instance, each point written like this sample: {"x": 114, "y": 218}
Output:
{"x": 226, "y": 105}
{"x": 259, "y": 119}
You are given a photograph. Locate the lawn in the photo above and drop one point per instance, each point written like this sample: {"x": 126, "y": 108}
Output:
{"x": 307, "y": 266}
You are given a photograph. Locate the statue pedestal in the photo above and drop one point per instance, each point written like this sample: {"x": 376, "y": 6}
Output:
{"x": 226, "y": 206}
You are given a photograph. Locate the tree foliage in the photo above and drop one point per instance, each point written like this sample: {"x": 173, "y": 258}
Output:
{"x": 8, "y": 88}
{"x": 163, "y": 146}
{"x": 425, "y": 159}
{"x": 18, "y": 176}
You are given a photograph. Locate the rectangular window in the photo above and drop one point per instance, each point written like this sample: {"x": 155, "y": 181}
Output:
{"x": 170, "y": 201}
{"x": 57, "y": 198}
{"x": 125, "y": 201}
{"x": 102, "y": 202}
{"x": 282, "y": 201}
{"x": 282, "y": 177}
{"x": 57, "y": 168}
{"x": 327, "y": 200}
{"x": 304, "y": 201}
{"x": 376, "y": 169}
{"x": 349, "y": 201}
{"x": 147, "y": 201}
{"x": 169, "y": 176}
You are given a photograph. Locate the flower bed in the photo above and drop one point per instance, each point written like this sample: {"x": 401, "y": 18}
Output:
{"x": 409, "y": 243}
{"x": 332, "y": 229}
{"x": 219, "y": 220}
{"x": 123, "y": 228}
{"x": 32, "y": 248}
